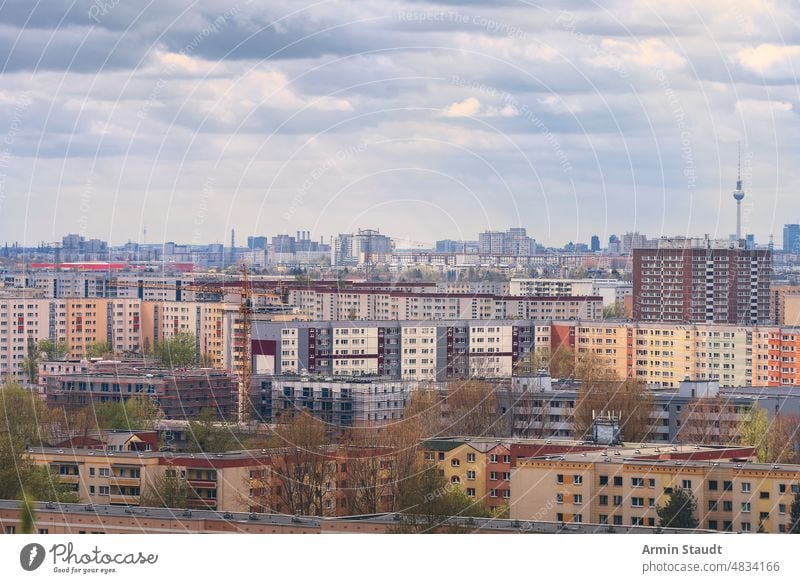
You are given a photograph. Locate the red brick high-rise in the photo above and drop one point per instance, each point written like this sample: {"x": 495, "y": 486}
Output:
{"x": 701, "y": 280}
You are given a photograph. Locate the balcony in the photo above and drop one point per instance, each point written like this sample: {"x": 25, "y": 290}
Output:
{"x": 123, "y": 500}
{"x": 69, "y": 478}
{"x": 202, "y": 483}
{"x": 125, "y": 481}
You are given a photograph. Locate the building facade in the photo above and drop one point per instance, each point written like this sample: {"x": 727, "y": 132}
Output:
{"x": 692, "y": 280}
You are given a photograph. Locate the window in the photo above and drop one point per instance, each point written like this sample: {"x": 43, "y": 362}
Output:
{"x": 471, "y": 457}
{"x": 782, "y": 488}
{"x": 745, "y": 487}
{"x": 745, "y": 507}
{"x": 727, "y": 506}
{"x": 603, "y": 518}
{"x": 637, "y": 482}
{"x": 637, "y": 502}
{"x": 91, "y": 489}
{"x": 577, "y": 479}
{"x": 577, "y": 518}
{"x": 636, "y": 521}
{"x": 795, "y": 488}
{"x": 712, "y": 505}
{"x": 560, "y": 517}
{"x": 745, "y": 527}
{"x": 603, "y": 480}
{"x": 104, "y": 472}
{"x": 617, "y": 500}
{"x": 43, "y": 531}
{"x": 455, "y": 462}
{"x": 763, "y": 495}
{"x": 492, "y": 475}
{"x": 506, "y": 459}
{"x": 618, "y": 480}
{"x": 727, "y": 525}
{"x": 617, "y": 520}
{"x": 602, "y": 500}
{"x": 470, "y": 474}
{"x": 493, "y": 493}
{"x": 441, "y": 456}
{"x": 782, "y": 508}
{"x": 104, "y": 490}
{"x": 686, "y": 484}
{"x": 559, "y": 498}
{"x": 577, "y": 499}
{"x": 651, "y": 502}
{"x": 91, "y": 471}
{"x": 712, "y": 525}
{"x": 559, "y": 478}
{"x": 506, "y": 475}
{"x": 471, "y": 492}
{"x": 493, "y": 458}
{"x": 712, "y": 485}
{"x": 651, "y": 483}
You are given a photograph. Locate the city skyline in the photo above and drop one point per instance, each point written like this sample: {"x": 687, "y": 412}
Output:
{"x": 419, "y": 119}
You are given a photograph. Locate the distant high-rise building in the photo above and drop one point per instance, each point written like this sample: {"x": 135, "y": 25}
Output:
{"x": 257, "y": 242}
{"x": 701, "y": 280}
{"x": 514, "y": 242}
{"x": 791, "y": 238}
{"x": 450, "y": 246}
{"x": 595, "y": 245}
{"x": 614, "y": 245}
{"x": 365, "y": 247}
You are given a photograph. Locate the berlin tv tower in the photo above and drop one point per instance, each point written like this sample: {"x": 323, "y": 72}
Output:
{"x": 738, "y": 195}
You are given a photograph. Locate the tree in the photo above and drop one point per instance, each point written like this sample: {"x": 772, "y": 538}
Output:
{"x": 46, "y": 348}
{"x": 301, "y": 469}
{"x": 600, "y": 391}
{"x": 679, "y": 510}
{"x": 166, "y": 490}
{"x": 138, "y": 412}
{"x": 614, "y": 311}
{"x": 753, "y": 430}
{"x": 27, "y": 518}
{"x": 533, "y": 362}
{"x": 98, "y": 349}
{"x": 709, "y": 420}
{"x": 794, "y": 525}
{"x": 368, "y": 489}
{"x": 472, "y": 408}
{"x": 177, "y": 352}
{"x": 429, "y": 502}
{"x": 20, "y": 414}
{"x": 208, "y": 436}
{"x": 562, "y": 362}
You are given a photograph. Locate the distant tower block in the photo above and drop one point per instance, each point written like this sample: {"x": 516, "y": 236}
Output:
{"x": 738, "y": 195}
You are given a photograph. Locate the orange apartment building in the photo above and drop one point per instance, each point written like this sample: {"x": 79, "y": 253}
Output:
{"x": 667, "y": 354}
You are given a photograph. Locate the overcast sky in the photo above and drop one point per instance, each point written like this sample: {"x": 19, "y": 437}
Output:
{"x": 425, "y": 120}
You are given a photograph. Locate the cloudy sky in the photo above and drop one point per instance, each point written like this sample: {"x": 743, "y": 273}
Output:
{"x": 425, "y": 120}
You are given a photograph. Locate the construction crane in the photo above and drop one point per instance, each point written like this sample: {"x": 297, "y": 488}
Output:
{"x": 241, "y": 340}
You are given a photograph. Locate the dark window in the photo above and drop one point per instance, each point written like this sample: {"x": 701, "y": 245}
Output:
{"x": 712, "y": 484}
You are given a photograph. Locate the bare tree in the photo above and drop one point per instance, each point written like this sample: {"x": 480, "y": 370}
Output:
{"x": 303, "y": 471}
{"x": 711, "y": 420}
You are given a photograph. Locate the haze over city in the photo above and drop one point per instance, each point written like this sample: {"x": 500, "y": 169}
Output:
{"x": 428, "y": 120}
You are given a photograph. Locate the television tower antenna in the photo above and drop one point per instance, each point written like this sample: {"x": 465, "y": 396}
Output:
{"x": 738, "y": 195}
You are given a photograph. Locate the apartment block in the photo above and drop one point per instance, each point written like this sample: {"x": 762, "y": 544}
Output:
{"x": 162, "y": 320}
{"x": 326, "y": 303}
{"x": 339, "y": 402}
{"x": 692, "y": 280}
{"x": 784, "y": 305}
{"x": 410, "y": 350}
{"x": 180, "y": 394}
{"x": 623, "y": 487}
{"x": 666, "y": 354}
